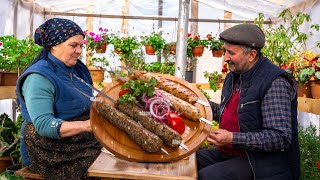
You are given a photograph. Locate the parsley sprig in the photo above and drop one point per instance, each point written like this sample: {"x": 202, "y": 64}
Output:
{"x": 137, "y": 89}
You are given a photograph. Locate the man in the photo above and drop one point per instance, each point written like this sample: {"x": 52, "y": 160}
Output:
{"x": 258, "y": 136}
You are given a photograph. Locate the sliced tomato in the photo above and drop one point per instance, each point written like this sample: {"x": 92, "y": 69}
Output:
{"x": 123, "y": 91}
{"x": 175, "y": 122}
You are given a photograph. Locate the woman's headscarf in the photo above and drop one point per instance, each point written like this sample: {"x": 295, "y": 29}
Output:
{"x": 53, "y": 32}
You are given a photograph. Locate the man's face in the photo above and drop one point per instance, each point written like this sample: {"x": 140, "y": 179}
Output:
{"x": 238, "y": 61}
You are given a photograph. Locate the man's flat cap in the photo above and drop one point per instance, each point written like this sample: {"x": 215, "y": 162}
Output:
{"x": 244, "y": 34}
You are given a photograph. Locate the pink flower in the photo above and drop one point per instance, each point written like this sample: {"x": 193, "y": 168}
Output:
{"x": 92, "y": 34}
{"x": 0, "y": 43}
{"x": 97, "y": 38}
{"x": 100, "y": 29}
{"x": 85, "y": 32}
{"x": 84, "y": 41}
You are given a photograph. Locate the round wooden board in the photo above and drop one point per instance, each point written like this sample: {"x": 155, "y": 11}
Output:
{"x": 119, "y": 143}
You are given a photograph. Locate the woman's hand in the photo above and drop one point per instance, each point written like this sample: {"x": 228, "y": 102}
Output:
{"x": 220, "y": 137}
{"x": 71, "y": 128}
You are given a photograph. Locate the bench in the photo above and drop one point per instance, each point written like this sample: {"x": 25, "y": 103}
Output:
{"x": 27, "y": 174}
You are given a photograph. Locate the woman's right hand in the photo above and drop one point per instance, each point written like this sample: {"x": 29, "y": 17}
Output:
{"x": 71, "y": 128}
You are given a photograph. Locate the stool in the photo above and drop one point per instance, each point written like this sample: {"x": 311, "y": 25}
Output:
{"x": 27, "y": 174}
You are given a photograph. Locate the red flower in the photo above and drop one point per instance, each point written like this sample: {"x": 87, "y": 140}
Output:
{"x": 318, "y": 164}
{"x": 208, "y": 36}
{"x": 189, "y": 34}
{"x": 224, "y": 68}
{"x": 195, "y": 37}
{"x": 0, "y": 43}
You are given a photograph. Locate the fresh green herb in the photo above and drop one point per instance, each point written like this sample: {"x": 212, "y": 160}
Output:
{"x": 137, "y": 89}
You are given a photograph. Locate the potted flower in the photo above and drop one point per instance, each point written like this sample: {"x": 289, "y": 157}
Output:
{"x": 196, "y": 45}
{"x": 15, "y": 55}
{"x": 284, "y": 41}
{"x": 124, "y": 43}
{"x": 154, "y": 42}
{"x": 97, "y": 68}
{"x": 214, "y": 79}
{"x": 97, "y": 41}
{"x": 9, "y": 141}
{"x": 215, "y": 45}
{"x": 311, "y": 73}
{"x": 129, "y": 50}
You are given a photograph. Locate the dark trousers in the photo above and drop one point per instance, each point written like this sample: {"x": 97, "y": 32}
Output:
{"x": 214, "y": 165}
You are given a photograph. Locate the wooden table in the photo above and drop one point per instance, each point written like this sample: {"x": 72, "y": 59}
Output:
{"x": 107, "y": 166}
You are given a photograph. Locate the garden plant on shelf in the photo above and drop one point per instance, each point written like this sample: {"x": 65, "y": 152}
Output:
{"x": 311, "y": 68}
{"x": 214, "y": 79}
{"x": 15, "y": 54}
{"x": 95, "y": 41}
{"x": 155, "y": 40}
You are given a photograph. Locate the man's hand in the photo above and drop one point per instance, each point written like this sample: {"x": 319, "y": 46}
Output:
{"x": 220, "y": 137}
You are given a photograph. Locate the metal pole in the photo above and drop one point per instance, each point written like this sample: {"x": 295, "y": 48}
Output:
{"x": 183, "y": 19}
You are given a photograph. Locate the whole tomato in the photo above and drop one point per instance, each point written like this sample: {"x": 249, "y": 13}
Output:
{"x": 123, "y": 91}
{"x": 175, "y": 122}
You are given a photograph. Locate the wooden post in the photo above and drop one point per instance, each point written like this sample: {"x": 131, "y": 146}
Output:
{"x": 227, "y": 15}
{"x": 194, "y": 15}
{"x": 89, "y": 28}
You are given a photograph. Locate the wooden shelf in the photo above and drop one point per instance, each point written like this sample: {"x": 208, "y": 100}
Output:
{"x": 8, "y": 92}
{"x": 309, "y": 105}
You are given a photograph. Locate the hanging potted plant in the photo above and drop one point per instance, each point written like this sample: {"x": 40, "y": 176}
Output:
{"x": 215, "y": 45}
{"x": 196, "y": 45}
{"x": 130, "y": 50}
{"x": 15, "y": 56}
{"x": 154, "y": 42}
{"x": 97, "y": 42}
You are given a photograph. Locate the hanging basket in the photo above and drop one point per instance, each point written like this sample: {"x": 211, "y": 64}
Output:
{"x": 217, "y": 53}
{"x": 149, "y": 49}
{"x": 197, "y": 51}
{"x": 102, "y": 48}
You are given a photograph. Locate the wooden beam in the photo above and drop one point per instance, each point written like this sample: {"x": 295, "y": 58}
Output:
{"x": 125, "y": 22}
{"x": 194, "y": 29}
{"x": 148, "y": 17}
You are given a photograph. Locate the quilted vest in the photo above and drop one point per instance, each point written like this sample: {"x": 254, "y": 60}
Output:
{"x": 282, "y": 164}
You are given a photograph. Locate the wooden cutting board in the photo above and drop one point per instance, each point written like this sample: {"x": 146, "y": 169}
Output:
{"x": 119, "y": 143}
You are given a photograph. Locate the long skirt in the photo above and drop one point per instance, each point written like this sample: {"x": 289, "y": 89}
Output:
{"x": 66, "y": 158}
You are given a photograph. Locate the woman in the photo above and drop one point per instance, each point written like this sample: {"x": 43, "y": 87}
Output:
{"x": 56, "y": 138}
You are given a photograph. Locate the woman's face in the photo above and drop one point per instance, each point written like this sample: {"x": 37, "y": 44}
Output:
{"x": 69, "y": 51}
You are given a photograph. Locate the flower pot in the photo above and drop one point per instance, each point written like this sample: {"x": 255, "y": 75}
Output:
{"x": 189, "y": 76}
{"x": 217, "y": 53}
{"x": 197, "y": 51}
{"x": 315, "y": 88}
{"x": 5, "y": 162}
{"x": 118, "y": 52}
{"x": 304, "y": 90}
{"x": 8, "y": 78}
{"x": 97, "y": 75}
{"x": 172, "y": 49}
{"x": 102, "y": 48}
{"x": 149, "y": 49}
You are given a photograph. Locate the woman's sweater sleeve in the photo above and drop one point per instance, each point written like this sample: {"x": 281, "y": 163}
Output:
{"x": 39, "y": 93}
